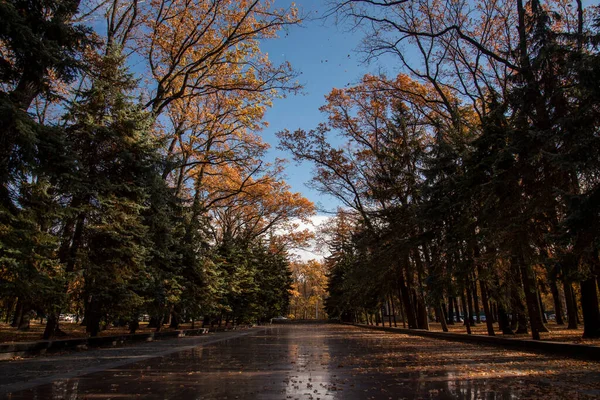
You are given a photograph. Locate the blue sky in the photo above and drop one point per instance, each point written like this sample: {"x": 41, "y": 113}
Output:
{"x": 325, "y": 55}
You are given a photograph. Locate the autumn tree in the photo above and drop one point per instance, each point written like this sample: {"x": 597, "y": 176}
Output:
{"x": 308, "y": 289}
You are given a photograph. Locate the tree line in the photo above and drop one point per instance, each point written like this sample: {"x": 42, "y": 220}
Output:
{"x": 132, "y": 179}
{"x": 472, "y": 177}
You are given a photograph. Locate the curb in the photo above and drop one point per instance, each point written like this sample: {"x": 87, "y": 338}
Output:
{"x": 558, "y": 348}
{"x": 10, "y": 350}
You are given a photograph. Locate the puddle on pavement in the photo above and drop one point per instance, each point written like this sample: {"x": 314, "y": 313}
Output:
{"x": 290, "y": 362}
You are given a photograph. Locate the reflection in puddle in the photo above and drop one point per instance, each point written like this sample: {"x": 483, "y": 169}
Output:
{"x": 310, "y": 378}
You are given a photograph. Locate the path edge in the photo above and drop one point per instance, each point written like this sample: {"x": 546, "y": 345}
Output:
{"x": 571, "y": 350}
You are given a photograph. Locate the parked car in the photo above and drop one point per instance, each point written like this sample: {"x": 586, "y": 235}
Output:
{"x": 68, "y": 317}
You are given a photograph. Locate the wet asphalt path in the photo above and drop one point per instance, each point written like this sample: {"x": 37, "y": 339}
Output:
{"x": 322, "y": 362}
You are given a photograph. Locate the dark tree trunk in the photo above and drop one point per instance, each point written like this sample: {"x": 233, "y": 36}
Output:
{"x": 503, "y": 321}
{"x": 9, "y": 310}
{"x": 402, "y": 315}
{"x": 589, "y": 306}
{"x": 436, "y": 314}
{"x": 531, "y": 296}
{"x": 406, "y": 301}
{"x": 442, "y": 318}
{"x": 51, "y": 326}
{"x": 134, "y": 325}
{"x": 450, "y": 311}
{"x": 467, "y": 317}
{"x": 456, "y": 310}
{"x": 463, "y": 309}
{"x": 175, "y": 320}
{"x": 67, "y": 254}
{"x": 522, "y": 323}
{"x": 18, "y": 314}
{"x": 476, "y": 302}
{"x": 153, "y": 323}
{"x": 393, "y": 310}
{"x": 93, "y": 318}
{"x": 571, "y": 305}
{"x": 514, "y": 322}
{"x": 542, "y": 309}
{"x": 576, "y": 308}
{"x": 558, "y": 309}
{"x": 489, "y": 319}
{"x": 496, "y": 314}
{"x": 25, "y": 320}
{"x": 159, "y": 322}
{"x": 471, "y": 320}
{"x": 423, "y": 318}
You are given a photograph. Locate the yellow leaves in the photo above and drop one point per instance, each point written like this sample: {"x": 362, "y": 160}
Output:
{"x": 196, "y": 47}
{"x": 309, "y": 289}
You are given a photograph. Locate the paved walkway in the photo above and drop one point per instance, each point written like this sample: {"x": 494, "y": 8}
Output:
{"x": 322, "y": 362}
{"x": 26, "y": 373}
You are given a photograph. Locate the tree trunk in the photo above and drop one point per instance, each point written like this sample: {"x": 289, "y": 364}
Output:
{"x": 406, "y": 301}
{"x": 522, "y": 327}
{"x": 423, "y": 318}
{"x": 442, "y": 318}
{"x": 393, "y": 310}
{"x": 503, "y": 321}
{"x": 489, "y": 319}
{"x": 175, "y": 319}
{"x": 463, "y": 309}
{"x": 531, "y": 297}
{"x": 571, "y": 305}
{"x": 542, "y": 310}
{"x": 25, "y": 319}
{"x": 159, "y": 322}
{"x": 558, "y": 309}
{"x": 471, "y": 320}
{"x": 93, "y": 318}
{"x": 51, "y": 326}
{"x": 450, "y": 311}
{"x": 134, "y": 324}
{"x": 457, "y": 310}
{"x": 9, "y": 310}
{"x": 466, "y": 316}
{"x": 18, "y": 314}
{"x": 589, "y": 306}
{"x": 153, "y": 323}
{"x": 495, "y": 311}
{"x": 401, "y": 308}
{"x": 476, "y": 302}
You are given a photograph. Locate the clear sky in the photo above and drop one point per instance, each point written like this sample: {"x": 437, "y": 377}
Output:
{"x": 325, "y": 55}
